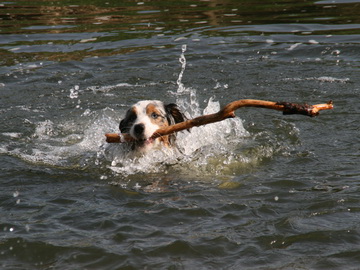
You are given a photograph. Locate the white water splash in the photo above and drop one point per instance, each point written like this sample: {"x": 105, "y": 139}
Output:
{"x": 69, "y": 143}
{"x": 194, "y": 149}
{"x": 182, "y": 60}
{"x": 78, "y": 142}
{"x": 74, "y": 92}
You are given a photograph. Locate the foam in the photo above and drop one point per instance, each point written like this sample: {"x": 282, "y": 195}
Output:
{"x": 78, "y": 142}
{"x": 214, "y": 150}
{"x": 324, "y": 79}
{"x": 193, "y": 150}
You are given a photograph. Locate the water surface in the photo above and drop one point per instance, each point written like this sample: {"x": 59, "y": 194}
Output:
{"x": 261, "y": 191}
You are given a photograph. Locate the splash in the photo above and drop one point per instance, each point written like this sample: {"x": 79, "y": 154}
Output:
{"x": 67, "y": 144}
{"x": 197, "y": 152}
{"x": 219, "y": 150}
{"x": 182, "y": 61}
{"x": 192, "y": 153}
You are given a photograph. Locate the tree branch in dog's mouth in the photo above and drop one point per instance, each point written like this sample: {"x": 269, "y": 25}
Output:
{"x": 228, "y": 112}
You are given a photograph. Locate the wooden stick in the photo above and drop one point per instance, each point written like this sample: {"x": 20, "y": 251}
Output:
{"x": 229, "y": 112}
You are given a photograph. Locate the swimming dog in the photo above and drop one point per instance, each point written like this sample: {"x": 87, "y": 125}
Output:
{"x": 144, "y": 118}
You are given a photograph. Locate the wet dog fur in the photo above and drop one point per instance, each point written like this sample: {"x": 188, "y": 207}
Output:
{"x": 144, "y": 118}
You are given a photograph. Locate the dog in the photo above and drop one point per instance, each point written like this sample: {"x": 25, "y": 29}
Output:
{"x": 144, "y": 118}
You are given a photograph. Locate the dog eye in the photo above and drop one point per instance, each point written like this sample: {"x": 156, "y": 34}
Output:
{"x": 154, "y": 115}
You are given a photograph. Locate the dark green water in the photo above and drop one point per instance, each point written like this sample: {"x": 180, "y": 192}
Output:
{"x": 261, "y": 191}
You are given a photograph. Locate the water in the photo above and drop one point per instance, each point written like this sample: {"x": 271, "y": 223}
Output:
{"x": 261, "y": 191}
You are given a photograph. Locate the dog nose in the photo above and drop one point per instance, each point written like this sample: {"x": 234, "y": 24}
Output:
{"x": 139, "y": 129}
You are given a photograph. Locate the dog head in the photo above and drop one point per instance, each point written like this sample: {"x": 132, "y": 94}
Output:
{"x": 145, "y": 117}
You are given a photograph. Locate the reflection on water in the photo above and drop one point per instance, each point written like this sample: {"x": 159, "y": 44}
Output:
{"x": 62, "y": 31}
{"x": 261, "y": 191}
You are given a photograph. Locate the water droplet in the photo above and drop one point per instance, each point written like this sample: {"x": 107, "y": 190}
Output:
{"x": 137, "y": 186}
{"x": 73, "y": 93}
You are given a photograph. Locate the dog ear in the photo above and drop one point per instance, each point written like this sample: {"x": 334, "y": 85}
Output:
{"x": 126, "y": 123}
{"x": 173, "y": 114}
{"x": 122, "y": 126}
